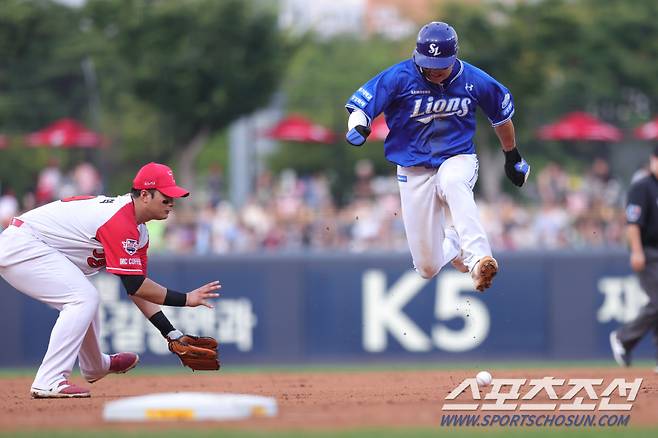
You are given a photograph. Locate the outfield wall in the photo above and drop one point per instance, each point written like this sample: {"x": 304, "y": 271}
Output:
{"x": 345, "y": 307}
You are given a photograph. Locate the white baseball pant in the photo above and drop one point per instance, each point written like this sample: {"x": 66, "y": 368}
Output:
{"x": 427, "y": 195}
{"x": 43, "y": 273}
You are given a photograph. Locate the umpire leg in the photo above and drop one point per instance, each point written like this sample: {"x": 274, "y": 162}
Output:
{"x": 647, "y": 320}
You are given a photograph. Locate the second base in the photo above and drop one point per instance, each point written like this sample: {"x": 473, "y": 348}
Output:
{"x": 199, "y": 406}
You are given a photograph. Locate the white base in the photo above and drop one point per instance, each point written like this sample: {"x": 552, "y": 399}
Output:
{"x": 194, "y": 406}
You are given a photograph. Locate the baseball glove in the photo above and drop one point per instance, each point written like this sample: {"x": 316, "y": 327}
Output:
{"x": 196, "y": 352}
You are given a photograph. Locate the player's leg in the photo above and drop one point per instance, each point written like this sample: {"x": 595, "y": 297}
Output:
{"x": 456, "y": 179}
{"x": 93, "y": 362}
{"x": 452, "y": 250}
{"x": 423, "y": 215}
{"x": 46, "y": 275}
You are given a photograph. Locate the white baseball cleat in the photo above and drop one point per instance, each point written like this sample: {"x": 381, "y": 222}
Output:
{"x": 63, "y": 389}
{"x": 483, "y": 273}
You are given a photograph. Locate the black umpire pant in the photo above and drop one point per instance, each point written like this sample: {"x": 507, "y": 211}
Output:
{"x": 632, "y": 332}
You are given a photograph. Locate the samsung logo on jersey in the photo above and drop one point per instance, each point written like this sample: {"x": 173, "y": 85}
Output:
{"x": 420, "y": 91}
{"x": 506, "y": 101}
{"x": 358, "y": 102}
{"x": 365, "y": 93}
{"x": 426, "y": 110}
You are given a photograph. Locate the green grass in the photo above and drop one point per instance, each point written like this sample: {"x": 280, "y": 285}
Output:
{"x": 329, "y": 368}
{"x": 356, "y": 433}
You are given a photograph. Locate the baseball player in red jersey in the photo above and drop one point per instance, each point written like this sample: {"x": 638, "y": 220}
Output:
{"x": 47, "y": 253}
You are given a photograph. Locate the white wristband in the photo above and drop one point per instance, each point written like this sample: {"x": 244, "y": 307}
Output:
{"x": 174, "y": 334}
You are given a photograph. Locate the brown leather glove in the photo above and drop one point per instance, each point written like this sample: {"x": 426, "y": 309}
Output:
{"x": 196, "y": 352}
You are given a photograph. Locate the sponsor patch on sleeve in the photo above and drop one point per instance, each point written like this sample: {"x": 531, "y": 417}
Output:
{"x": 402, "y": 178}
{"x": 130, "y": 246}
{"x": 358, "y": 101}
{"x": 366, "y": 95}
{"x": 506, "y": 101}
{"x": 633, "y": 212}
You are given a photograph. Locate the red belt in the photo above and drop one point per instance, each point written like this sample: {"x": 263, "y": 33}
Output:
{"x": 16, "y": 222}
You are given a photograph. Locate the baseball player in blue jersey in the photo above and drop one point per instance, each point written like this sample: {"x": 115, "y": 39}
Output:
{"x": 429, "y": 103}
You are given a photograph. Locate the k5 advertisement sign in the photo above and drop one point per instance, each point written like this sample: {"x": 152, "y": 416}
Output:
{"x": 300, "y": 308}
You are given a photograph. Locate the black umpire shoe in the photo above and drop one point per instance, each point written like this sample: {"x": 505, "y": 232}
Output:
{"x": 621, "y": 354}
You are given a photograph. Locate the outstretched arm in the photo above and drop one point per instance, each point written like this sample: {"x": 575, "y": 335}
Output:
{"x": 148, "y": 295}
{"x": 153, "y": 313}
{"x": 198, "y": 353}
{"x": 149, "y": 290}
{"x": 146, "y": 307}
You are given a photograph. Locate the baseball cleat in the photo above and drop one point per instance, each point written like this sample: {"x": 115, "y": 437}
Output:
{"x": 619, "y": 352}
{"x": 63, "y": 389}
{"x": 119, "y": 363}
{"x": 458, "y": 263}
{"x": 483, "y": 273}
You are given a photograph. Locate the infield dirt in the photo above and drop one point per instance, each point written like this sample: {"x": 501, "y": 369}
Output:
{"x": 308, "y": 400}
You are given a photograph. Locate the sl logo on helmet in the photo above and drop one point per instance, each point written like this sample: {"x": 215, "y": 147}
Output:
{"x": 130, "y": 246}
{"x": 435, "y": 50}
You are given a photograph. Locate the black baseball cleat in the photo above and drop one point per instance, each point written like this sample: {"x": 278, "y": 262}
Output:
{"x": 619, "y": 352}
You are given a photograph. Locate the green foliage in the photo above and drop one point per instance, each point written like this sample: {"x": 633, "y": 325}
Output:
{"x": 165, "y": 71}
{"x": 40, "y": 74}
{"x": 201, "y": 63}
{"x": 40, "y": 80}
{"x": 168, "y": 69}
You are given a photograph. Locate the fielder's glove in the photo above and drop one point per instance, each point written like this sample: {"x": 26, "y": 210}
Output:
{"x": 516, "y": 168}
{"x": 196, "y": 352}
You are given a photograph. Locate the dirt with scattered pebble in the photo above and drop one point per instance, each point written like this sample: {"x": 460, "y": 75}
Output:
{"x": 316, "y": 401}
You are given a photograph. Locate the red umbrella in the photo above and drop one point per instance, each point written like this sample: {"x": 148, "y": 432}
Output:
{"x": 648, "y": 131}
{"x": 579, "y": 126}
{"x": 379, "y": 129}
{"x": 299, "y": 129}
{"x": 65, "y": 133}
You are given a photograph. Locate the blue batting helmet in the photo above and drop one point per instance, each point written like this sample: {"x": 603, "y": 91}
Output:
{"x": 436, "y": 46}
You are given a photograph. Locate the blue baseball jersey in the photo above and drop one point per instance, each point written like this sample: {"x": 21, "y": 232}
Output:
{"x": 430, "y": 123}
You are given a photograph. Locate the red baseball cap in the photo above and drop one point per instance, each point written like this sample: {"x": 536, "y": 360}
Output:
{"x": 160, "y": 177}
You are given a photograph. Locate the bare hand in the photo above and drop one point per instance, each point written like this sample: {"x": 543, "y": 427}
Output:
{"x": 638, "y": 261}
{"x": 200, "y": 296}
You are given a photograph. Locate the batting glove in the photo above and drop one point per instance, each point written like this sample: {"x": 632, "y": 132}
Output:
{"x": 516, "y": 168}
{"x": 357, "y": 135}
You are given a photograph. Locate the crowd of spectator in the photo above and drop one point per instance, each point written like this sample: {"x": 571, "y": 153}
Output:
{"x": 290, "y": 213}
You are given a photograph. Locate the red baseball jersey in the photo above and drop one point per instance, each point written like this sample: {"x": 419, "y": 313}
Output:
{"x": 93, "y": 232}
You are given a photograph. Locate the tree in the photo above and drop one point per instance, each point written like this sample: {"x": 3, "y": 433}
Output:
{"x": 40, "y": 73}
{"x": 200, "y": 64}
{"x": 41, "y": 79}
